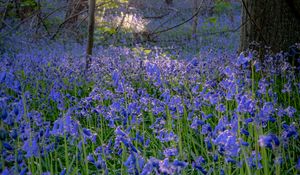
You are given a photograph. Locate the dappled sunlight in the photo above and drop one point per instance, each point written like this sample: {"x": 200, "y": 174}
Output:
{"x": 128, "y": 22}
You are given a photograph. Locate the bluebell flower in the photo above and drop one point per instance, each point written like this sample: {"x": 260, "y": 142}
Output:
{"x": 165, "y": 166}
{"x": 116, "y": 106}
{"x": 230, "y": 160}
{"x": 206, "y": 129}
{"x": 150, "y": 166}
{"x": 228, "y": 143}
{"x": 195, "y": 89}
{"x": 23, "y": 171}
{"x": 87, "y": 134}
{"x": 245, "y": 104}
{"x": 298, "y": 164}
{"x": 221, "y": 108}
{"x": 115, "y": 78}
{"x": 278, "y": 161}
{"x": 228, "y": 71}
{"x": 290, "y": 111}
{"x": 65, "y": 125}
{"x": 165, "y": 136}
{"x": 248, "y": 120}
{"x": 100, "y": 163}
{"x": 221, "y": 126}
{"x": 244, "y": 131}
{"x": 198, "y": 165}
{"x": 55, "y": 95}
{"x": 215, "y": 157}
{"x": 170, "y": 152}
{"x": 6, "y": 172}
{"x": 19, "y": 157}
{"x": 208, "y": 144}
{"x": 289, "y": 131}
{"x": 269, "y": 141}
{"x": 179, "y": 164}
{"x": 46, "y": 173}
{"x": 139, "y": 138}
{"x": 196, "y": 123}
{"x": 166, "y": 96}
{"x": 31, "y": 148}
{"x": 2, "y": 77}
{"x": 4, "y": 114}
{"x": 222, "y": 172}
{"x": 263, "y": 85}
{"x": 130, "y": 164}
{"x": 254, "y": 161}
{"x": 63, "y": 172}
{"x": 7, "y": 146}
{"x": 244, "y": 60}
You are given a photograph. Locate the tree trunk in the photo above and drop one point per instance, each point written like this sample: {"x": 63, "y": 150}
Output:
{"x": 169, "y": 2}
{"x": 273, "y": 23}
{"x": 195, "y": 20}
{"x": 91, "y": 26}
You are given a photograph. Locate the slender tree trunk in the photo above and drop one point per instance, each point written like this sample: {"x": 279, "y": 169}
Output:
{"x": 17, "y": 7}
{"x": 169, "y": 2}
{"x": 195, "y": 20}
{"x": 91, "y": 26}
{"x": 273, "y": 23}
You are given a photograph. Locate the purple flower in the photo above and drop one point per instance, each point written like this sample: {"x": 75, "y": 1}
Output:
{"x": 165, "y": 136}
{"x": 269, "y": 141}
{"x": 87, "y": 134}
{"x": 6, "y": 172}
{"x": 221, "y": 108}
{"x": 245, "y": 132}
{"x": 245, "y": 104}
{"x": 243, "y": 60}
{"x": 206, "y": 129}
{"x": 254, "y": 160}
{"x": 7, "y": 146}
{"x": 290, "y": 111}
{"x": 289, "y": 131}
{"x": 151, "y": 165}
{"x": 31, "y": 148}
{"x": 228, "y": 143}
{"x": 180, "y": 164}
{"x": 170, "y": 152}
{"x": 298, "y": 164}
{"x": 198, "y": 165}
{"x": 130, "y": 163}
{"x": 55, "y": 95}
{"x": 196, "y": 123}
{"x": 63, "y": 172}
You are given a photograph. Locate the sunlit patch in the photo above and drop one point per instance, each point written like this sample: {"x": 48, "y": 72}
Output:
{"x": 129, "y": 22}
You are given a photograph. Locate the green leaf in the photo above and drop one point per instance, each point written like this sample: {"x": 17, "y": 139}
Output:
{"x": 212, "y": 20}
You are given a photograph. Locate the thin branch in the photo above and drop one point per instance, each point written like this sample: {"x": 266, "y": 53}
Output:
{"x": 19, "y": 24}
{"x": 156, "y": 17}
{"x": 71, "y": 17}
{"x": 4, "y": 14}
{"x": 175, "y": 26}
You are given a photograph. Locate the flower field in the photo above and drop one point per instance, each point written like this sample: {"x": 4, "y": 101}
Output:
{"x": 137, "y": 112}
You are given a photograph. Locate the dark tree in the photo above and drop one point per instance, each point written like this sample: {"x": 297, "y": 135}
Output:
{"x": 169, "y": 2}
{"x": 273, "y": 23}
{"x": 23, "y": 8}
{"x": 91, "y": 26}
